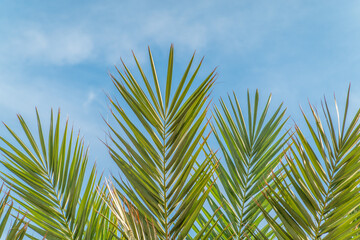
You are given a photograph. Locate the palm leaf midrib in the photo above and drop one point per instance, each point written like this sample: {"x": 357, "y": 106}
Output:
{"x": 59, "y": 206}
{"x": 337, "y": 160}
{"x": 163, "y": 187}
{"x": 245, "y": 201}
{"x": 49, "y": 178}
{"x": 166, "y": 174}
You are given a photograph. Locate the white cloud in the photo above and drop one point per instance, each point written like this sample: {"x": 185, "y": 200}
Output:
{"x": 109, "y": 30}
{"x": 90, "y": 99}
{"x": 63, "y": 45}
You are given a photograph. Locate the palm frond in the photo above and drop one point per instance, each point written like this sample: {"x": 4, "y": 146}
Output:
{"x": 320, "y": 194}
{"x": 157, "y": 154}
{"x": 51, "y": 184}
{"x": 250, "y": 145}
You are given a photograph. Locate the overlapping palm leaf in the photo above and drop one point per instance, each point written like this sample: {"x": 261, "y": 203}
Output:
{"x": 318, "y": 199}
{"x": 131, "y": 224}
{"x": 158, "y": 154}
{"x": 49, "y": 179}
{"x": 18, "y": 225}
{"x": 250, "y": 145}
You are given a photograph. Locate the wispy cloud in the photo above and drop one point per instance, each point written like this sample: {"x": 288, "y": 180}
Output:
{"x": 59, "y": 46}
{"x": 108, "y": 29}
{"x": 58, "y": 53}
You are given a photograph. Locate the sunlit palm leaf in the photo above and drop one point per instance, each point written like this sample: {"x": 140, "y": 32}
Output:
{"x": 250, "y": 145}
{"x": 49, "y": 179}
{"x": 323, "y": 178}
{"x": 158, "y": 153}
{"x": 132, "y": 225}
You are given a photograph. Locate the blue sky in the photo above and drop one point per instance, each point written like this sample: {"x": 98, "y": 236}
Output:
{"x": 59, "y": 53}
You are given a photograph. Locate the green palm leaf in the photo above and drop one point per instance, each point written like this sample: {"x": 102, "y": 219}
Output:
{"x": 158, "y": 154}
{"x": 320, "y": 194}
{"x": 250, "y": 146}
{"x": 50, "y": 184}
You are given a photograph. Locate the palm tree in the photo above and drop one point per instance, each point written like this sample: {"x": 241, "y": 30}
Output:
{"x": 160, "y": 154}
{"x": 320, "y": 193}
